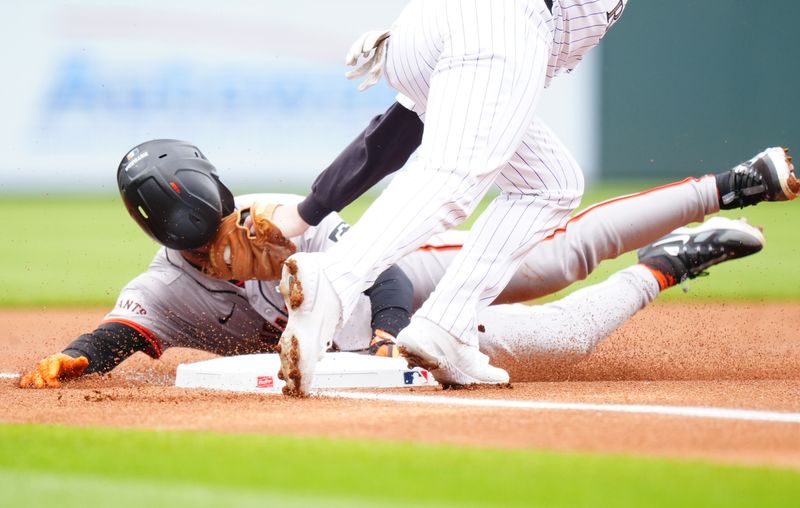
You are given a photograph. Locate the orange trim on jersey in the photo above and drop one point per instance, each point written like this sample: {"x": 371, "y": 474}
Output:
{"x": 428, "y": 247}
{"x": 144, "y": 332}
{"x": 621, "y": 198}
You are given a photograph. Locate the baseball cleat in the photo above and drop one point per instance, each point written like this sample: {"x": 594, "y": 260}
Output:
{"x": 314, "y": 313}
{"x": 425, "y": 344}
{"x": 687, "y": 252}
{"x": 769, "y": 176}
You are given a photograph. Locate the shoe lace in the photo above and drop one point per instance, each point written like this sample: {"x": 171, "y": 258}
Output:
{"x": 746, "y": 183}
{"x": 698, "y": 258}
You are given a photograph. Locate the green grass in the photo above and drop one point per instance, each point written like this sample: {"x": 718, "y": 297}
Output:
{"x": 62, "y": 466}
{"x": 79, "y": 251}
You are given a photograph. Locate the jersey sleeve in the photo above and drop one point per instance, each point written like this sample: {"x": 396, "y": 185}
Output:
{"x": 142, "y": 306}
{"x": 135, "y": 324}
{"x": 111, "y": 343}
{"x": 379, "y": 150}
{"x": 164, "y": 304}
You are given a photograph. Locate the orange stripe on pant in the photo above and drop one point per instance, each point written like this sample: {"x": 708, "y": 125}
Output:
{"x": 617, "y": 200}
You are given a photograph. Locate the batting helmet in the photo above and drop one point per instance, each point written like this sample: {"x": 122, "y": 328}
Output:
{"x": 173, "y": 192}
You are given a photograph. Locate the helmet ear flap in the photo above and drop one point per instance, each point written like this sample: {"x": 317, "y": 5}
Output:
{"x": 228, "y": 203}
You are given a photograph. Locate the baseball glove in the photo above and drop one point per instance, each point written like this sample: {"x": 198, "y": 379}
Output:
{"x": 50, "y": 371}
{"x": 242, "y": 253}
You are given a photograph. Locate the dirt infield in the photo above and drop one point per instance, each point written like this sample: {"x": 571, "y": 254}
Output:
{"x": 722, "y": 355}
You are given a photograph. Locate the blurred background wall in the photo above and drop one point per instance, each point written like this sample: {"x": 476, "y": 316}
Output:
{"x": 259, "y": 86}
{"x": 695, "y": 85}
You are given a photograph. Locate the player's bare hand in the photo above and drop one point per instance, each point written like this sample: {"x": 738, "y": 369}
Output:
{"x": 285, "y": 217}
{"x": 288, "y": 220}
{"x": 50, "y": 371}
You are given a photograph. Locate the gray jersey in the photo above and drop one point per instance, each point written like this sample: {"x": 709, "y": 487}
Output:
{"x": 174, "y": 304}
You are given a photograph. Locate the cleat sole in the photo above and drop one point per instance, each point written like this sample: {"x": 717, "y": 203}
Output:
{"x": 792, "y": 182}
{"x": 291, "y": 373}
{"x": 294, "y": 289}
{"x": 790, "y": 185}
{"x": 415, "y": 360}
{"x": 288, "y": 346}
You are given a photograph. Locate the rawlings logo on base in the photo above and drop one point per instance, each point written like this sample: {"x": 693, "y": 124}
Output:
{"x": 265, "y": 382}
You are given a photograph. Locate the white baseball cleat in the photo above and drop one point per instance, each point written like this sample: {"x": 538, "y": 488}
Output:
{"x": 314, "y": 313}
{"x": 425, "y": 344}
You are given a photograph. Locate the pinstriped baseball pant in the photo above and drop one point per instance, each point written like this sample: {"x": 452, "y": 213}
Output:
{"x": 475, "y": 70}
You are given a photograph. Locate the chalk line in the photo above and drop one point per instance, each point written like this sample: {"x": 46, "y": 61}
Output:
{"x": 684, "y": 411}
{"x": 538, "y": 405}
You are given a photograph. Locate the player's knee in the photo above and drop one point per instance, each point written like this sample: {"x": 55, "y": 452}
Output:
{"x": 583, "y": 262}
{"x": 454, "y": 213}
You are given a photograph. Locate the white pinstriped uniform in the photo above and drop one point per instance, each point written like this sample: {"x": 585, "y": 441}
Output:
{"x": 474, "y": 70}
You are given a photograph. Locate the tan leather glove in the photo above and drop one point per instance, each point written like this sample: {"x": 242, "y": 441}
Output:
{"x": 242, "y": 253}
{"x": 50, "y": 371}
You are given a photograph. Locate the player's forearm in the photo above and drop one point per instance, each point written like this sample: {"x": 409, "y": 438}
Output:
{"x": 391, "y": 298}
{"x": 380, "y": 150}
{"x": 108, "y": 346}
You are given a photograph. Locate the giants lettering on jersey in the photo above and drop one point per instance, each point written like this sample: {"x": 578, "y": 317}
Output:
{"x": 132, "y": 307}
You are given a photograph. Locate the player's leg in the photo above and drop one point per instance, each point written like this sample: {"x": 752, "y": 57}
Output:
{"x": 602, "y": 231}
{"x": 480, "y": 102}
{"x": 619, "y": 225}
{"x": 541, "y": 186}
{"x": 516, "y": 336}
{"x": 478, "y": 108}
{"x": 606, "y": 230}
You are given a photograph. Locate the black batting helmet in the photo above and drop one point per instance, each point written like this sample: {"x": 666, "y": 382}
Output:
{"x": 173, "y": 192}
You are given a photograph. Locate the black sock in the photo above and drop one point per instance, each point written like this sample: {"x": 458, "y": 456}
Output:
{"x": 664, "y": 270}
